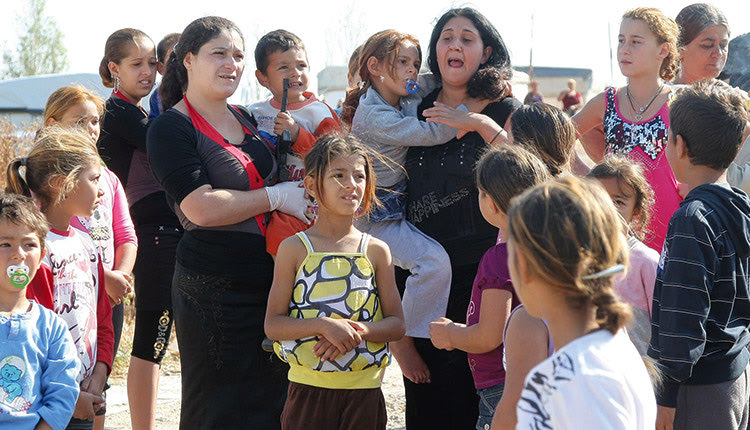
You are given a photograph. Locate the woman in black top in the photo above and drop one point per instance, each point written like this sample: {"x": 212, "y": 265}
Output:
{"x": 129, "y": 68}
{"x": 219, "y": 174}
{"x": 469, "y": 58}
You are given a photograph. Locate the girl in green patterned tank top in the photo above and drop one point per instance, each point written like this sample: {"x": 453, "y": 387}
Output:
{"x": 334, "y": 306}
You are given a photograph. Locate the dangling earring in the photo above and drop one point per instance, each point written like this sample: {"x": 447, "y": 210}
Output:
{"x": 314, "y": 208}
{"x": 117, "y": 84}
{"x": 382, "y": 79}
{"x": 63, "y": 197}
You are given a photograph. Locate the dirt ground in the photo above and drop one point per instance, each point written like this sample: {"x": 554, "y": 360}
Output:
{"x": 168, "y": 402}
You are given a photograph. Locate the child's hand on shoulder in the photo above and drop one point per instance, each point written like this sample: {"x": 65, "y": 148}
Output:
{"x": 440, "y": 333}
{"x": 340, "y": 333}
{"x": 284, "y": 121}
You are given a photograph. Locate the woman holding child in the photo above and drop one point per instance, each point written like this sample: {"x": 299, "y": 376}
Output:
{"x": 219, "y": 174}
{"x": 469, "y": 59}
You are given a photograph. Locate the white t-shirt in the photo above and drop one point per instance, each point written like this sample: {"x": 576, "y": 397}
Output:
{"x": 598, "y": 381}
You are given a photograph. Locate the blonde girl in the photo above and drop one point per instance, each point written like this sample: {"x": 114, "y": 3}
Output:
{"x": 565, "y": 246}
{"x": 333, "y": 303}
{"x": 111, "y": 227}
{"x": 62, "y": 171}
{"x": 501, "y": 174}
{"x": 635, "y": 118}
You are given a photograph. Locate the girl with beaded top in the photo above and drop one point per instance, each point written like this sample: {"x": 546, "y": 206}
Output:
{"x": 635, "y": 118}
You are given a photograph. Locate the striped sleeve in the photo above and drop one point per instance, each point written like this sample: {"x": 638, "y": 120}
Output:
{"x": 681, "y": 302}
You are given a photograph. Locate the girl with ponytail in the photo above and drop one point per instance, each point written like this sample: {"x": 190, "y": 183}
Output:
{"x": 565, "y": 248}
{"x": 129, "y": 68}
{"x": 62, "y": 170}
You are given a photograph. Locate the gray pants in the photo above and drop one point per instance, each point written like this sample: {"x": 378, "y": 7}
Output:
{"x": 724, "y": 406}
{"x": 426, "y": 296}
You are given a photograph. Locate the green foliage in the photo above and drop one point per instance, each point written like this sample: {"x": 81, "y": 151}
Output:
{"x": 40, "y": 49}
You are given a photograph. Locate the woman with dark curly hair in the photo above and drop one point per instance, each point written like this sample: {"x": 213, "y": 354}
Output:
{"x": 471, "y": 63}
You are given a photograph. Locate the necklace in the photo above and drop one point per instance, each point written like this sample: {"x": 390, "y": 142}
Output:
{"x": 640, "y": 111}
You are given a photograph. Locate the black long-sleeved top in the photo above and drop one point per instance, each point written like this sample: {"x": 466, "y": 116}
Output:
{"x": 122, "y": 146}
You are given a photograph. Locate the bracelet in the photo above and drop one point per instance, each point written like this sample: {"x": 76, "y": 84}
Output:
{"x": 496, "y": 135}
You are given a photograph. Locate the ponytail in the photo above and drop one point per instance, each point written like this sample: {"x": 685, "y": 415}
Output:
{"x": 488, "y": 83}
{"x": 57, "y": 153}
{"x": 174, "y": 82}
{"x": 349, "y": 107}
{"x": 196, "y": 34}
{"x": 116, "y": 49}
{"x": 611, "y": 313}
{"x": 16, "y": 184}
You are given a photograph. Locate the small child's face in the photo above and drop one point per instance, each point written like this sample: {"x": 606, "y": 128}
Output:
{"x": 623, "y": 196}
{"x": 83, "y": 115}
{"x": 343, "y": 185}
{"x": 85, "y": 196}
{"x": 290, "y": 64}
{"x": 405, "y": 68}
{"x": 19, "y": 245}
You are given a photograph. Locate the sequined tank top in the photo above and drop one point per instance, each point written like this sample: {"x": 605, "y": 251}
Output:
{"x": 645, "y": 142}
{"x": 335, "y": 285}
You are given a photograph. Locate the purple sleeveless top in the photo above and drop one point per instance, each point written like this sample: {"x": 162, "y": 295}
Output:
{"x": 644, "y": 142}
{"x": 550, "y": 342}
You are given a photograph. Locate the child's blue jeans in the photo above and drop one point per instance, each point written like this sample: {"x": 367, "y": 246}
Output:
{"x": 488, "y": 399}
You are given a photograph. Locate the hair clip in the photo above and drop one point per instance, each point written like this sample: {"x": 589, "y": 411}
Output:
{"x": 606, "y": 272}
{"x": 361, "y": 84}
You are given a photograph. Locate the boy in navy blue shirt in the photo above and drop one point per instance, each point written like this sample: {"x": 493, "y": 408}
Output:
{"x": 701, "y": 309}
{"x": 38, "y": 360}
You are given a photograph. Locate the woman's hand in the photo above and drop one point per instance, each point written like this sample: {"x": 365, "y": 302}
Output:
{"x": 289, "y": 197}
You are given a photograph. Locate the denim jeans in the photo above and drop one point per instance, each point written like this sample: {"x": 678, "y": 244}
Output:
{"x": 488, "y": 399}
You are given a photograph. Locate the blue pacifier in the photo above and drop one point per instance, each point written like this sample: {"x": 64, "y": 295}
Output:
{"x": 19, "y": 275}
{"x": 412, "y": 87}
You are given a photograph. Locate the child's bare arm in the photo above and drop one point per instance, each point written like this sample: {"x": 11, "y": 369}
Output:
{"x": 586, "y": 119}
{"x": 279, "y": 326}
{"x": 391, "y": 327}
{"x": 526, "y": 345}
{"x": 479, "y": 338}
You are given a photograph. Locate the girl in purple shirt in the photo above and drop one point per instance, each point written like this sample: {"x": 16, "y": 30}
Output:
{"x": 501, "y": 174}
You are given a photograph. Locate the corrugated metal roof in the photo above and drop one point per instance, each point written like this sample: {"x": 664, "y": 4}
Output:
{"x": 29, "y": 94}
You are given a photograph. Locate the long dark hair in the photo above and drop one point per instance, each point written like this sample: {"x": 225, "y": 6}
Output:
{"x": 195, "y": 35}
{"x": 489, "y": 82}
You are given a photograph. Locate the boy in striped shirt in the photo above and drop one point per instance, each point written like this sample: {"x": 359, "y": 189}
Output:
{"x": 701, "y": 309}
